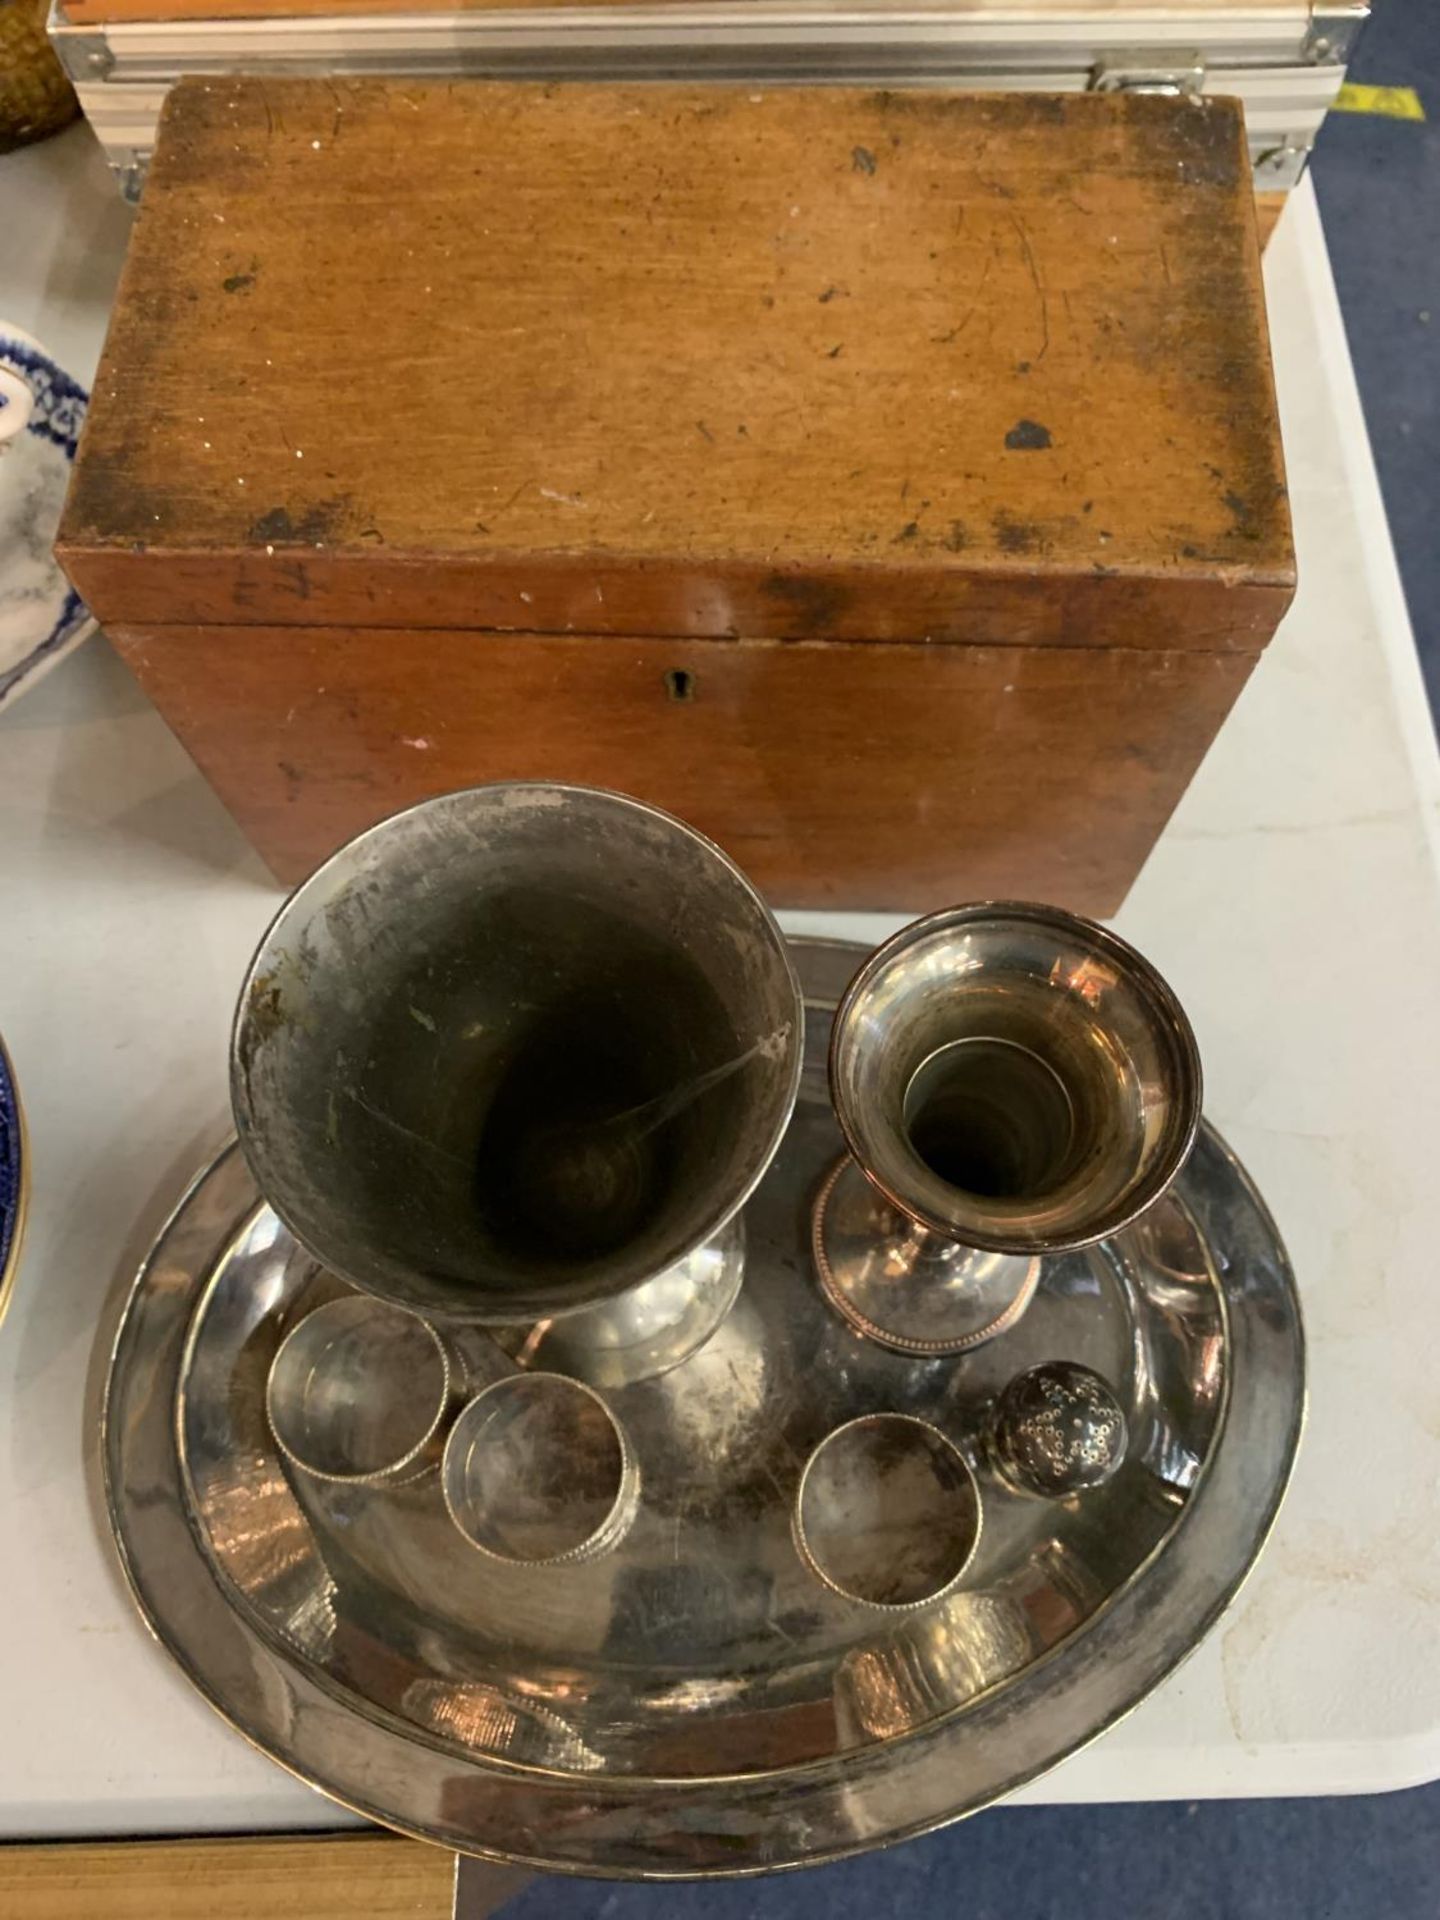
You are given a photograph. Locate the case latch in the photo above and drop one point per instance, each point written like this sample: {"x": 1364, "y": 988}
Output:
{"x": 1179, "y": 74}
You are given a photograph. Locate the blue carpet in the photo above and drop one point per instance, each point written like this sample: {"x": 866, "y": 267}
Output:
{"x": 1378, "y": 182}
{"x": 1362, "y": 1859}
{"x": 1372, "y": 1858}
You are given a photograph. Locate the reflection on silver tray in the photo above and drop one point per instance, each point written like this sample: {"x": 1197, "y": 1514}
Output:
{"x": 695, "y": 1701}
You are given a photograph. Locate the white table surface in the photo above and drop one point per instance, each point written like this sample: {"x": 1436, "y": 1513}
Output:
{"x": 1293, "y": 902}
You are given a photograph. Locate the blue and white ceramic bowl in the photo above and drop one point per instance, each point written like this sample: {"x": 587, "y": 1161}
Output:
{"x": 41, "y": 615}
{"x": 14, "y": 1176}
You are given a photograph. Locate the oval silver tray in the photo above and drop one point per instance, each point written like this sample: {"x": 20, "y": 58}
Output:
{"x": 696, "y": 1702}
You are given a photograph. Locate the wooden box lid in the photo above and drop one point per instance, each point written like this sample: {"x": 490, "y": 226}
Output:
{"x": 707, "y": 361}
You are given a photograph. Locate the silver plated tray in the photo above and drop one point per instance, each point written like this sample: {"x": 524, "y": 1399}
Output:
{"x": 696, "y": 1702}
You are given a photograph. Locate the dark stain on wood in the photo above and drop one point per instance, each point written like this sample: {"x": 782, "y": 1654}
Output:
{"x": 1209, "y": 153}
{"x": 1016, "y": 536}
{"x": 279, "y": 526}
{"x": 1244, "y": 514}
{"x": 814, "y": 605}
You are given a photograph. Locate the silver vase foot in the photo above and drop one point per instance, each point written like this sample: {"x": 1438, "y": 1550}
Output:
{"x": 645, "y": 1331}
{"x": 904, "y": 1285}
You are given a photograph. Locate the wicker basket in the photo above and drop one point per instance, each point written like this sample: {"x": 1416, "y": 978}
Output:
{"x": 35, "y": 96}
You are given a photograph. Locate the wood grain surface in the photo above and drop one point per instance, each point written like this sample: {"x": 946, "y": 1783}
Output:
{"x": 354, "y": 1877}
{"x": 797, "y": 363}
{"x": 1268, "y": 209}
{"x": 837, "y": 775}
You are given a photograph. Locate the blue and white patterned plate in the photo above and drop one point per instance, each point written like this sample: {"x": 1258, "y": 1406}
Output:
{"x": 41, "y": 615}
{"x": 14, "y": 1175}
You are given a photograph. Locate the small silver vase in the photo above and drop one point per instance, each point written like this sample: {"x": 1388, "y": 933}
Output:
{"x": 1012, "y": 1081}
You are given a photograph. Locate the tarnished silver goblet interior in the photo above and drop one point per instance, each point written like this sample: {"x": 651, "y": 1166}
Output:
{"x": 1012, "y": 1081}
{"x": 516, "y": 1052}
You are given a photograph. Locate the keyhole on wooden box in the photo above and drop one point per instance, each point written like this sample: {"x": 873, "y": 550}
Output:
{"x": 680, "y": 684}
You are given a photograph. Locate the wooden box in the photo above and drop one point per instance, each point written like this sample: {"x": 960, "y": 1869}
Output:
{"x": 888, "y": 483}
